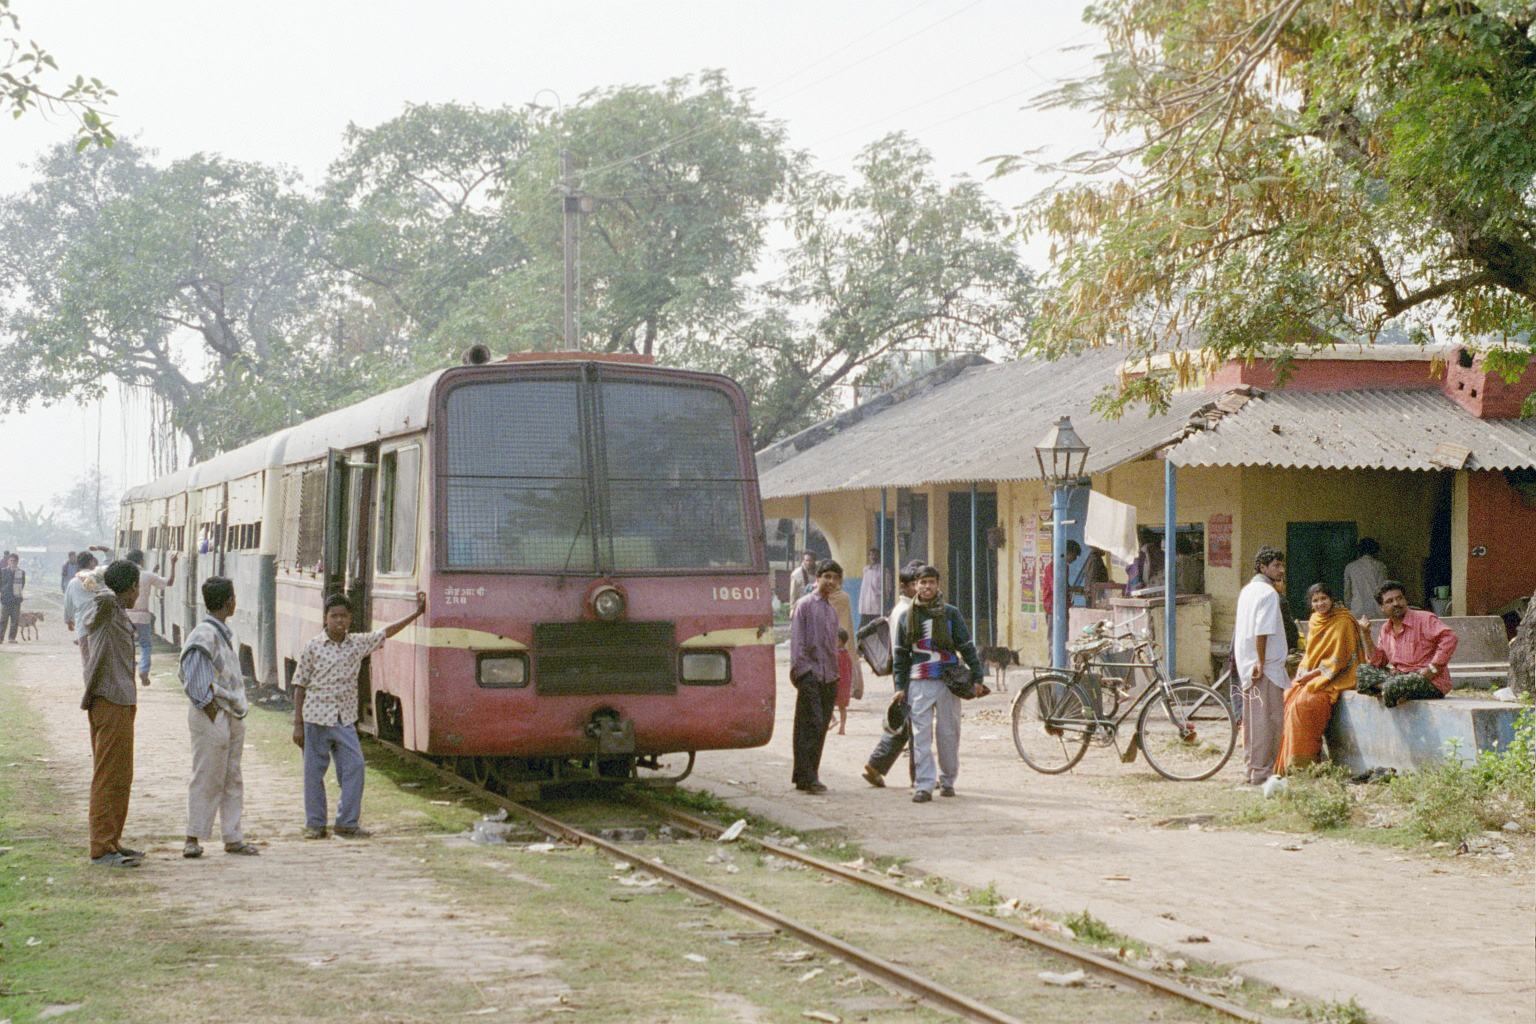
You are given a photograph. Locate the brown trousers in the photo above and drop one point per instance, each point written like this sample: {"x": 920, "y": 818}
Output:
{"x": 112, "y": 748}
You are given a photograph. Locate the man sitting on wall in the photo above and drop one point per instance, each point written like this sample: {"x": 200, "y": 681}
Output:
{"x": 1413, "y": 658}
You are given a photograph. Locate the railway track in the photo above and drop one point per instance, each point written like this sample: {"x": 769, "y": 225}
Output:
{"x": 895, "y": 976}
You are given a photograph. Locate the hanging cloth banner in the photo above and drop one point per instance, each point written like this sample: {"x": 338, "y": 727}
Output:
{"x": 1111, "y": 526}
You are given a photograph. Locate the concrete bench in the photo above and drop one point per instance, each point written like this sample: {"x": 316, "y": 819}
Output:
{"x": 1362, "y": 734}
{"x": 1482, "y": 655}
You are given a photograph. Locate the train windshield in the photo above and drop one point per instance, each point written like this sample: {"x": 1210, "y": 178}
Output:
{"x": 594, "y": 475}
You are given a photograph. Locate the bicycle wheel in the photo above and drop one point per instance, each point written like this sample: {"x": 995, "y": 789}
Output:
{"x": 1052, "y": 723}
{"x": 1187, "y": 732}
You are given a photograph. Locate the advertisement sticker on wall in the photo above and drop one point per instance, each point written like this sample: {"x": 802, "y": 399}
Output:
{"x": 1218, "y": 541}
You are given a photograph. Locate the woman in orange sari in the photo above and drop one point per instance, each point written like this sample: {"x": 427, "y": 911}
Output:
{"x": 1332, "y": 654}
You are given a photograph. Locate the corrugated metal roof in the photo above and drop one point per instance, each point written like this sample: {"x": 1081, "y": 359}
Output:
{"x": 1357, "y": 430}
{"x": 980, "y": 424}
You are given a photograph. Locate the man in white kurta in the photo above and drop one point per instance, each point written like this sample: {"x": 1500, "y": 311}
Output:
{"x": 1258, "y": 645}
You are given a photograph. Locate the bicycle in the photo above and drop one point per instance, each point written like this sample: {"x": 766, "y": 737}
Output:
{"x": 1185, "y": 729}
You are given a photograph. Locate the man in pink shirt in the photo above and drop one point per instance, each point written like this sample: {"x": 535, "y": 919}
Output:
{"x": 1413, "y": 658}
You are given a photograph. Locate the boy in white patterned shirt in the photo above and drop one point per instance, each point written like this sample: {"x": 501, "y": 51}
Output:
{"x": 325, "y": 714}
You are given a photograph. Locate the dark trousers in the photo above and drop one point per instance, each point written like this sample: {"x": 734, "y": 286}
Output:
{"x": 814, "y": 701}
{"x": 10, "y": 618}
{"x": 890, "y": 747}
{"x": 112, "y": 778}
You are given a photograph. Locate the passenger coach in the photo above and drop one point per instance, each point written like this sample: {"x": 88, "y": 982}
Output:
{"x": 587, "y": 530}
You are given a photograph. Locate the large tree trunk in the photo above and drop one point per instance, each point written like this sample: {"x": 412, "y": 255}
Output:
{"x": 1522, "y": 653}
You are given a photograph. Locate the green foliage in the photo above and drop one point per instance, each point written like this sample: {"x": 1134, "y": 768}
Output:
{"x": 413, "y": 206}
{"x": 25, "y": 69}
{"x": 1306, "y": 173}
{"x": 1338, "y": 1013}
{"x": 1454, "y": 799}
{"x": 120, "y": 265}
{"x": 29, "y": 529}
{"x": 679, "y": 178}
{"x": 893, "y": 263}
{"x": 1090, "y": 929}
{"x": 1317, "y": 792}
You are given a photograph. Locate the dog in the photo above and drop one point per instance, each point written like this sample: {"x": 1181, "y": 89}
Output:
{"x": 27, "y": 621}
{"x": 1000, "y": 658}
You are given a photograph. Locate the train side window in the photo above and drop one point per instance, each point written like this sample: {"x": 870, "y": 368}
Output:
{"x": 399, "y": 484}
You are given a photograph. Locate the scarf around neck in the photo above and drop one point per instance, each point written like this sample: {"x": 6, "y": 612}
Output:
{"x": 934, "y": 610}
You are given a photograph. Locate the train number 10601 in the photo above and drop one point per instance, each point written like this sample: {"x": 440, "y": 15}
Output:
{"x": 736, "y": 593}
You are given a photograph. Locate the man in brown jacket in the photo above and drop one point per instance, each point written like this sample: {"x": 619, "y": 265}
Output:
{"x": 110, "y": 702}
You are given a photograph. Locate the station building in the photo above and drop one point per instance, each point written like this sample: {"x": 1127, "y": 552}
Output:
{"x": 1420, "y": 448}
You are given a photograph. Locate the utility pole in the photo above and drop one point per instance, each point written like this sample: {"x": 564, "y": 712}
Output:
{"x": 569, "y": 243}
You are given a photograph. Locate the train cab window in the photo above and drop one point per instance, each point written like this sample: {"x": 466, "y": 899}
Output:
{"x": 676, "y": 486}
{"x": 399, "y": 476}
{"x": 515, "y": 477}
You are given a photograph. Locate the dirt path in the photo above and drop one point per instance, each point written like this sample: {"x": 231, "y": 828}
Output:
{"x": 1413, "y": 939}
{"x": 334, "y": 904}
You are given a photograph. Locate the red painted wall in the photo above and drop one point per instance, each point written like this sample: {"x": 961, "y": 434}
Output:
{"x": 1498, "y": 520}
{"x": 1331, "y": 375}
{"x": 1487, "y": 396}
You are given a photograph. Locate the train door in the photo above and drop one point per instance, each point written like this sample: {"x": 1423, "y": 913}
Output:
{"x": 348, "y": 530}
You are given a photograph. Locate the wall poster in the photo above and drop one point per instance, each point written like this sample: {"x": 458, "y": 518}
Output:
{"x": 1218, "y": 540}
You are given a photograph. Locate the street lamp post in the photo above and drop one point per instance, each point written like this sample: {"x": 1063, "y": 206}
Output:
{"x": 1062, "y": 456}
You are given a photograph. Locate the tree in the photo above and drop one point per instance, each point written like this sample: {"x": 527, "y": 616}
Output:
{"x": 1296, "y": 171}
{"x": 680, "y": 179}
{"x": 89, "y": 508}
{"x": 24, "y": 70}
{"x": 894, "y": 263}
{"x": 201, "y": 282}
{"x": 416, "y": 214}
{"x": 23, "y": 529}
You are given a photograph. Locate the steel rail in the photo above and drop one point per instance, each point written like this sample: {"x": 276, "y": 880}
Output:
{"x": 925, "y": 990}
{"x": 1103, "y": 966}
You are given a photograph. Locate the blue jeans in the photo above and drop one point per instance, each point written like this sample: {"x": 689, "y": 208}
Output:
{"x": 146, "y": 637}
{"x": 321, "y": 743}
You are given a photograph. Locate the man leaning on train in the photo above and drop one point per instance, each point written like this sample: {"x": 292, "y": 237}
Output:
{"x": 325, "y": 714}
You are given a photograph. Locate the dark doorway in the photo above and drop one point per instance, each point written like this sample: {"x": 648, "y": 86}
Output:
{"x": 976, "y": 603}
{"x": 1315, "y": 553}
{"x": 1437, "y": 567}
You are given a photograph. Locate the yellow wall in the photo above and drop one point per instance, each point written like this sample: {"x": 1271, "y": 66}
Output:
{"x": 1394, "y": 507}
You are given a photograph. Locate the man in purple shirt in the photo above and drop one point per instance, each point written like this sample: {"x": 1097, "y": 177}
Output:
{"x": 813, "y": 669}
{"x": 1413, "y": 658}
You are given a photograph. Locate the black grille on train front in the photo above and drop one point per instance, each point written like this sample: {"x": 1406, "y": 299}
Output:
{"x": 604, "y": 657}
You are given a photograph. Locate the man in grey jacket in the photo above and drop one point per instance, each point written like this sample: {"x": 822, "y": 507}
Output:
{"x": 211, "y": 677}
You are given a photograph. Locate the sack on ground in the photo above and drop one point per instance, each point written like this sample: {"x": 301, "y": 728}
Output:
{"x": 958, "y": 679}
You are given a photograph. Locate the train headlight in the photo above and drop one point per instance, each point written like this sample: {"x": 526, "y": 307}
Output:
{"x": 706, "y": 667}
{"x": 608, "y": 603}
{"x": 510, "y": 669}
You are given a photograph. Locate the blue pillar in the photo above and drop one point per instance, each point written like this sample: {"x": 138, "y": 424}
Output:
{"x": 1170, "y": 545}
{"x": 1059, "y": 578}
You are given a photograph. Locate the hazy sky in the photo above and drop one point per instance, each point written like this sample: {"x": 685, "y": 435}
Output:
{"x": 278, "y": 82}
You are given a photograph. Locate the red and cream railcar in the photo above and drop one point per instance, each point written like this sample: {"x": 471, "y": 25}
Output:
{"x": 588, "y": 532}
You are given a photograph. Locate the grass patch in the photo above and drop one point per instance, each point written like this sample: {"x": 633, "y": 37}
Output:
{"x": 1091, "y": 929}
{"x": 73, "y": 933}
{"x": 1455, "y": 799}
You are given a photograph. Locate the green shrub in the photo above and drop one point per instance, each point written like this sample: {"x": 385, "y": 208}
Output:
{"x": 1317, "y": 792}
{"x": 1089, "y": 928}
{"x": 1451, "y": 800}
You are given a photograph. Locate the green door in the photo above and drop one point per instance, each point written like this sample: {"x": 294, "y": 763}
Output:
{"x": 1316, "y": 553}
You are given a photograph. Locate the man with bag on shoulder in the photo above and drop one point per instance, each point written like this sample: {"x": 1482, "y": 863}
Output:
{"x": 931, "y": 639}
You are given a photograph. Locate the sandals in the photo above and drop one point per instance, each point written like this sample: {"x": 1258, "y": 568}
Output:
{"x": 243, "y": 848}
{"x": 191, "y": 848}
